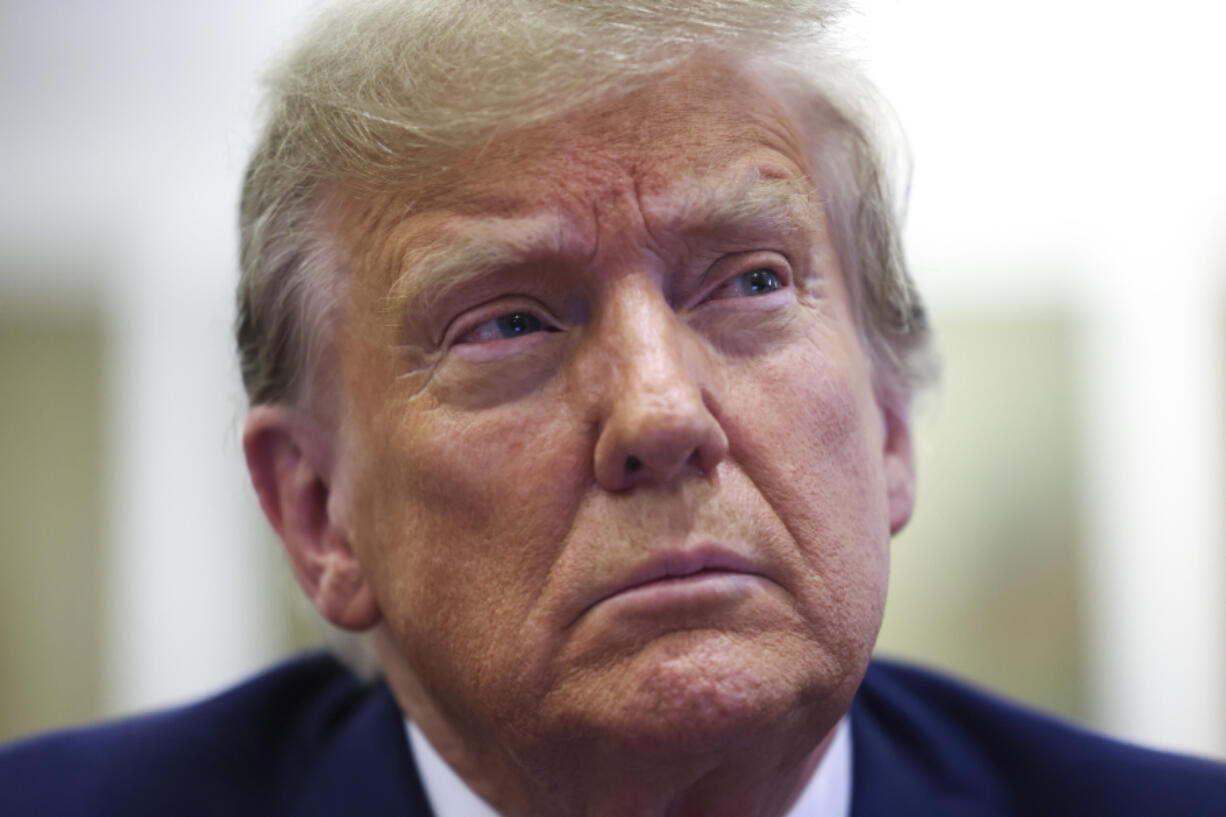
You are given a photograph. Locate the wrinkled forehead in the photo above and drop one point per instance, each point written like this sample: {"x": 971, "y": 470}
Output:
{"x": 705, "y": 146}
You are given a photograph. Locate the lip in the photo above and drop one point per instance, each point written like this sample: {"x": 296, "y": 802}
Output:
{"x": 672, "y": 565}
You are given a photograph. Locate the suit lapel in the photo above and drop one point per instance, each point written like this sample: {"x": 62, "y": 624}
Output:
{"x": 900, "y": 771}
{"x": 366, "y": 768}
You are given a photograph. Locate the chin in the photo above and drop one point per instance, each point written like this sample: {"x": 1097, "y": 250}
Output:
{"x": 698, "y": 691}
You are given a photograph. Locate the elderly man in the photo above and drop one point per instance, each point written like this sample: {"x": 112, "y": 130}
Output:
{"x": 580, "y": 348}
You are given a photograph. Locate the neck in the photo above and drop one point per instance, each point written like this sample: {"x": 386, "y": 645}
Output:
{"x": 757, "y": 775}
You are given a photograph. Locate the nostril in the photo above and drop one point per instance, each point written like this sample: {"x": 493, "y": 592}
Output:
{"x": 633, "y": 464}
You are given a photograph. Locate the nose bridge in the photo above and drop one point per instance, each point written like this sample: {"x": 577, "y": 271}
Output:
{"x": 646, "y": 342}
{"x": 656, "y": 424}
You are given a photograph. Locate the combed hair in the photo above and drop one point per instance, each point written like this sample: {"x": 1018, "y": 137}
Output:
{"x": 382, "y": 95}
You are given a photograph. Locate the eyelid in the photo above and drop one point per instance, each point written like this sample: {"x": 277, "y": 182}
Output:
{"x": 729, "y": 268}
{"x": 468, "y": 320}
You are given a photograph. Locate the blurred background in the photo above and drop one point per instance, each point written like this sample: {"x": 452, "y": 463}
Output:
{"x": 1068, "y": 227}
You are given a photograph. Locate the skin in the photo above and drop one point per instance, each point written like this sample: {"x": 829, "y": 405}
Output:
{"x": 486, "y": 503}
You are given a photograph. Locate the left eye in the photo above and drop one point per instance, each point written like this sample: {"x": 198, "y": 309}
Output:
{"x": 510, "y": 325}
{"x": 755, "y": 282}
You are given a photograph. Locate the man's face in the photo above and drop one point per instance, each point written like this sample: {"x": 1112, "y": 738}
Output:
{"x": 610, "y": 454}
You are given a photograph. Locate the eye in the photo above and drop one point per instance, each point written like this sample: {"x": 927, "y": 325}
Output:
{"x": 510, "y": 325}
{"x": 760, "y": 281}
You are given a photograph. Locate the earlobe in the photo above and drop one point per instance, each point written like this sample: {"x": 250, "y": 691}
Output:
{"x": 289, "y": 460}
{"x": 899, "y": 458}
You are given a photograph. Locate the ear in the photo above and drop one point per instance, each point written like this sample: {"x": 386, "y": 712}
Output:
{"x": 899, "y": 458}
{"x": 289, "y": 457}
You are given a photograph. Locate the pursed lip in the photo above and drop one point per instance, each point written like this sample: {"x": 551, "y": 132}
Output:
{"x": 678, "y": 564}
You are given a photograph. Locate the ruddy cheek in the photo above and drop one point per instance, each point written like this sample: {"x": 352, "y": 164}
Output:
{"x": 481, "y": 499}
{"x": 495, "y": 485}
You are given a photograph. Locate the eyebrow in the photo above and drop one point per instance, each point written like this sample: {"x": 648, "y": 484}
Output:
{"x": 758, "y": 198}
{"x": 472, "y": 248}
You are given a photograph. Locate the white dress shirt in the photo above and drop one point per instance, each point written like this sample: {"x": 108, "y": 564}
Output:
{"x": 827, "y": 794}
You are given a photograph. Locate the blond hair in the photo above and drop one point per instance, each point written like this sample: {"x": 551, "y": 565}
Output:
{"x": 387, "y": 92}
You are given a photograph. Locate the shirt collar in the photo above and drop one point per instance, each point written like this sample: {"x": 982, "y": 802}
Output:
{"x": 827, "y": 794}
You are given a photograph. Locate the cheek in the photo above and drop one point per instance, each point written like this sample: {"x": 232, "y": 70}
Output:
{"x": 463, "y": 517}
{"x": 808, "y": 435}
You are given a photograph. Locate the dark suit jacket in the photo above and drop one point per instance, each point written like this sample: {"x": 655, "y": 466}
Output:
{"x": 307, "y": 740}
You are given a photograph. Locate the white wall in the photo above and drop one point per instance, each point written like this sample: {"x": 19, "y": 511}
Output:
{"x": 1084, "y": 143}
{"x": 126, "y": 127}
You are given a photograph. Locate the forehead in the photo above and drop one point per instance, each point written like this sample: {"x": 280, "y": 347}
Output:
{"x": 682, "y": 127}
{"x": 700, "y": 149}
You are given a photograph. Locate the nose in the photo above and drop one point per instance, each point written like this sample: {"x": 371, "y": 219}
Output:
{"x": 658, "y": 426}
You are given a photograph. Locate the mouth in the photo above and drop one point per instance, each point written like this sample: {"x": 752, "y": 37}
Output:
{"x": 682, "y": 576}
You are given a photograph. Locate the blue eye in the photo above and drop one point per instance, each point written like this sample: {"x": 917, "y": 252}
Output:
{"x": 517, "y": 323}
{"x": 758, "y": 282}
{"x": 510, "y": 325}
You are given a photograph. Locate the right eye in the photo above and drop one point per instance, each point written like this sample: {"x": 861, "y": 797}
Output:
{"x": 509, "y": 325}
{"x": 761, "y": 281}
